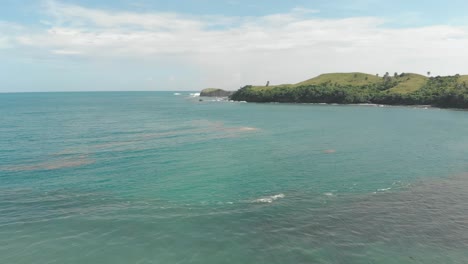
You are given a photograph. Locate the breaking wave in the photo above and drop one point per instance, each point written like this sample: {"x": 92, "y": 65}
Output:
{"x": 269, "y": 199}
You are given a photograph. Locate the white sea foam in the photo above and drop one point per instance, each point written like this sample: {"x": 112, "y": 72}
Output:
{"x": 247, "y": 129}
{"x": 374, "y": 105}
{"x": 176, "y": 93}
{"x": 329, "y": 194}
{"x": 195, "y": 94}
{"x": 384, "y": 189}
{"x": 269, "y": 199}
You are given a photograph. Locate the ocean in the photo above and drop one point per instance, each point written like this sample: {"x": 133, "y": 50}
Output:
{"x": 161, "y": 177}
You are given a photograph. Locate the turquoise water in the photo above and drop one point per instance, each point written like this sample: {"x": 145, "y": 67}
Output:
{"x": 152, "y": 177}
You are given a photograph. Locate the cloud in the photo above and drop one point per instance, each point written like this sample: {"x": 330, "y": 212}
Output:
{"x": 233, "y": 51}
{"x": 66, "y": 52}
{"x": 104, "y": 33}
{"x": 101, "y": 33}
{"x": 75, "y": 15}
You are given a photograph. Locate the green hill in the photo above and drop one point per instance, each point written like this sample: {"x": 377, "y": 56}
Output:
{"x": 355, "y": 87}
{"x": 409, "y": 83}
{"x": 463, "y": 79}
{"x": 354, "y": 78}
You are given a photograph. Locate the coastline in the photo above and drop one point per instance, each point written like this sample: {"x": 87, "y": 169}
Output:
{"x": 425, "y": 107}
{"x": 362, "y": 104}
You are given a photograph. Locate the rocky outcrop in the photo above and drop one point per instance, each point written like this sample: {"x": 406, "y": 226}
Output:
{"x": 215, "y": 92}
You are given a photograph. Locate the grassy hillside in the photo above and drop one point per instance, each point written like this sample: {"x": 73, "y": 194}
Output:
{"x": 403, "y": 89}
{"x": 409, "y": 83}
{"x": 463, "y": 79}
{"x": 353, "y": 78}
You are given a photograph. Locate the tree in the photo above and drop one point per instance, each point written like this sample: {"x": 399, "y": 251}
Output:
{"x": 395, "y": 74}
{"x": 428, "y": 73}
{"x": 268, "y": 83}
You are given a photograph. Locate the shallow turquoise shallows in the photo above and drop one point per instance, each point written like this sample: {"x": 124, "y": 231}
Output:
{"x": 156, "y": 177}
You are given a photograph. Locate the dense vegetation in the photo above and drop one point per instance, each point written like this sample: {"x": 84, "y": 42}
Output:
{"x": 353, "y": 88}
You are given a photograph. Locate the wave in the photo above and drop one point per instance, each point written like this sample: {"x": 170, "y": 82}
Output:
{"x": 176, "y": 93}
{"x": 384, "y": 189}
{"x": 247, "y": 128}
{"x": 195, "y": 94}
{"x": 269, "y": 199}
{"x": 365, "y": 104}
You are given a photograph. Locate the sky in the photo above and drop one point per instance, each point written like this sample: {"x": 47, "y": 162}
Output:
{"x": 182, "y": 45}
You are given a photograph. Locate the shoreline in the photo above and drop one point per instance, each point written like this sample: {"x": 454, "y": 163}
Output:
{"x": 425, "y": 107}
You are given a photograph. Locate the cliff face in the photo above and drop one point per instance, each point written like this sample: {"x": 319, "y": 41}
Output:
{"x": 214, "y": 92}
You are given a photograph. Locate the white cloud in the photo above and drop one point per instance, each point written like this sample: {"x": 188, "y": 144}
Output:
{"x": 77, "y": 15}
{"x": 66, "y": 52}
{"x": 233, "y": 51}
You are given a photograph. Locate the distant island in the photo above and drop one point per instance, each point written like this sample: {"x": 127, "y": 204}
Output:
{"x": 358, "y": 88}
{"x": 215, "y": 92}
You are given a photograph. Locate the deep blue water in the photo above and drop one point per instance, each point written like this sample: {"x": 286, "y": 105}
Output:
{"x": 153, "y": 177}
